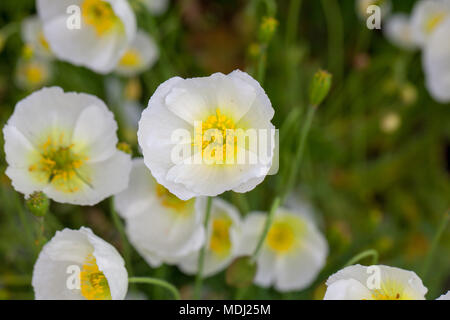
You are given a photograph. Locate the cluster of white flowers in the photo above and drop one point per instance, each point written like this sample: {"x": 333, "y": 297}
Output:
{"x": 427, "y": 29}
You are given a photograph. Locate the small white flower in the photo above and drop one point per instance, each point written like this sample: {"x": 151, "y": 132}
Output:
{"x": 427, "y": 15}
{"x": 107, "y": 28}
{"x": 139, "y": 56}
{"x": 223, "y": 239}
{"x": 398, "y": 30}
{"x": 157, "y": 7}
{"x": 379, "y": 282}
{"x": 33, "y": 35}
{"x": 444, "y": 296}
{"x": 78, "y": 265}
{"x": 220, "y": 103}
{"x": 160, "y": 226}
{"x": 362, "y": 5}
{"x": 64, "y": 144}
{"x": 32, "y": 74}
{"x": 293, "y": 253}
{"x": 436, "y": 61}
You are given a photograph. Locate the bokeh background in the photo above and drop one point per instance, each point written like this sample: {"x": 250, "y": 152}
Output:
{"x": 376, "y": 165}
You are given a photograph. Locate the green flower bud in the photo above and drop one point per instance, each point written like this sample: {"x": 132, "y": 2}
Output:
{"x": 320, "y": 87}
{"x": 124, "y": 147}
{"x": 241, "y": 272}
{"x": 38, "y": 204}
{"x": 267, "y": 29}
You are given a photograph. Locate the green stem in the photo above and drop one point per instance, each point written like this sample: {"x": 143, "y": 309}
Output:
{"x": 300, "y": 150}
{"x": 273, "y": 209}
{"x": 157, "y": 282}
{"x": 261, "y": 71}
{"x": 201, "y": 256}
{"x": 292, "y": 21}
{"x": 362, "y": 255}
{"x": 123, "y": 238}
{"x": 434, "y": 244}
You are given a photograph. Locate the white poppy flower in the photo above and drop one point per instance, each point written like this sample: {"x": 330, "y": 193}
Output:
{"x": 139, "y": 56}
{"x": 106, "y": 29}
{"x": 64, "y": 144}
{"x": 427, "y": 15}
{"x": 223, "y": 239}
{"x": 160, "y": 226}
{"x": 444, "y": 296}
{"x": 436, "y": 61}
{"x": 398, "y": 30}
{"x": 218, "y": 103}
{"x": 157, "y": 7}
{"x": 78, "y": 265}
{"x": 293, "y": 253}
{"x": 33, "y": 35}
{"x": 377, "y": 282}
{"x": 362, "y": 5}
{"x": 32, "y": 74}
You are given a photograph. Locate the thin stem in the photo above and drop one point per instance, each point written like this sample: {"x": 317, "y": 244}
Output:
{"x": 434, "y": 243}
{"x": 292, "y": 21}
{"x": 273, "y": 209}
{"x": 300, "y": 150}
{"x": 261, "y": 71}
{"x": 362, "y": 255}
{"x": 201, "y": 256}
{"x": 123, "y": 238}
{"x": 157, "y": 282}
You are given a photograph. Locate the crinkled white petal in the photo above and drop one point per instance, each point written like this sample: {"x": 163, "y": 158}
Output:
{"x": 444, "y": 296}
{"x": 347, "y": 289}
{"x": 214, "y": 263}
{"x": 71, "y": 248}
{"x": 398, "y": 30}
{"x": 426, "y": 17}
{"x": 178, "y": 104}
{"x": 408, "y": 283}
{"x": 436, "y": 61}
{"x": 83, "y": 46}
{"x": 146, "y": 51}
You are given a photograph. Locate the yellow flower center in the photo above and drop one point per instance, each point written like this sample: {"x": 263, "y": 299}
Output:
{"x": 94, "y": 285}
{"x": 169, "y": 200}
{"x": 34, "y": 74}
{"x": 214, "y": 126}
{"x": 59, "y": 165}
{"x": 131, "y": 58}
{"x": 281, "y": 237}
{"x": 434, "y": 21}
{"x": 390, "y": 290}
{"x": 100, "y": 15}
{"x": 220, "y": 242}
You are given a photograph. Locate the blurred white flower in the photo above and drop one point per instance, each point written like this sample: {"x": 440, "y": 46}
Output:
{"x": 390, "y": 122}
{"x": 444, "y": 296}
{"x": 160, "y": 226}
{"x": 107, "y": 28}
{"x": 398, "y": 30}
{"x": 64, "y": 144}
{"x": 293, "y": 253}
{"x": 33, "y": 73}
{"x": 223, "y": 239}
{"x": 78, "y": 265}
{"x": 426, "y": 16}
{"x": 33, "y": 35}
{"x": 362, "y": 5}
{"x": 139, "y": 56}
{"x": 378, "y": 282}
{"x": 436, "y": 61}
{"x": 219, "y": 103}
{"x": 156, "y": 7}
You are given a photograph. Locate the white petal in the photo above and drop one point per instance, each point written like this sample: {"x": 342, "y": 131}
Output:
{"x": 444, "y": 296}
{"x": 398, "y": 30}
{"x": 347, "y": 289}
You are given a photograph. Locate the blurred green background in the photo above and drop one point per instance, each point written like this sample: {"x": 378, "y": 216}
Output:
{"x": 373, "y": 184}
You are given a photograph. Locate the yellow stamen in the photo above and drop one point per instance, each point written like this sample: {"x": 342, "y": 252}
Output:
{"x": 34, "y": 74}
{"x": 220, "y": 242}
{"x": 100, "y": 15}
{"x": 169, "y": 200}
{"x": 434, "y": 21}
{"x": 131, "y": 58}
{"x": 94, "y": 285}
{"x": 281, "y": 237}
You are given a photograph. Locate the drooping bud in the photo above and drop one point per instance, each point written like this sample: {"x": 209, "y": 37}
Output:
{"x": 38, "y": 204}
{"x": 124, "y": 147}
{"x": 320, "y": 87}
{"x": 241, "y": 272}
{"x": 267, "y": 29}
